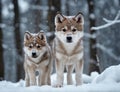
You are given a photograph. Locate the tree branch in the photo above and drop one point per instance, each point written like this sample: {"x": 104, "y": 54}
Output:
{"x": 109, "y": 22}
{"x": 108, "y": 51}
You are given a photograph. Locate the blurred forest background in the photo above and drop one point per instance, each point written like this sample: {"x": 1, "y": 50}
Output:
{"x": 102, "y": 46}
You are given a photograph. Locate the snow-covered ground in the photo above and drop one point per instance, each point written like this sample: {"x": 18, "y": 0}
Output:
{"x": 107, "y": 81}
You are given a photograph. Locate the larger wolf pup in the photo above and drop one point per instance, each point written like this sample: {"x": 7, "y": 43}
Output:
{"x": 37, "y": 58}
{"x": 68, "y": 47}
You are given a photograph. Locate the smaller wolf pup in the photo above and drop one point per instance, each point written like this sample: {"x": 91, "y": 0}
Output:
{"x": 37, "y": 58}
{"x": 68, "y": 47}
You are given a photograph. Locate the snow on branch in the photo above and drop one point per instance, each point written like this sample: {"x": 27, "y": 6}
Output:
{"x": 108, "y": 51}
{"x": 88, "y": 35}
{"x": 109, "y": 22}
{"x": 2, "y": 25}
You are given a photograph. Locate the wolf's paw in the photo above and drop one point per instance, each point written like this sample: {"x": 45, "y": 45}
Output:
{"x": 78, "y": 84}
{"x": 58, "y": 85}
{"x": 70, "y": 82}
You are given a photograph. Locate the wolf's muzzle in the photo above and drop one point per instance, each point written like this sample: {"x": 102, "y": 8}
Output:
{"x": 69, "y": 39}
{"x": 34, "y": 55}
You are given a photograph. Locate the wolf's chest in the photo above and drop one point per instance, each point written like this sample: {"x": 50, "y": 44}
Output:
{"x": 69, "y": 53}
{"x": 67, "y": 49}
{"x": 68, "y": 60}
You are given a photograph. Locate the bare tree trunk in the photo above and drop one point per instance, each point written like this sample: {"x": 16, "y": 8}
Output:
{"x": 93, "y": 66}
{"x": 54, "y": 7}
{"x": 1, "y": 48}
{"x": 37, "y": 16}
{"x": 67, "y": 8}
{"x": 18, "y": 41}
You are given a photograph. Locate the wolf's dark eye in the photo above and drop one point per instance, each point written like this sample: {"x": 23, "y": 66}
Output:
{"x": 74, "y": 30}
{"x": 30, "y": 46}
{"x": 38, "y": 46}
{"x": 64, "y": 30}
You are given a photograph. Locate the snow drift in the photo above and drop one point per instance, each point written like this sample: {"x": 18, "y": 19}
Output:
{"x": 108, "y": 81}
{"x": 110, "y": 75}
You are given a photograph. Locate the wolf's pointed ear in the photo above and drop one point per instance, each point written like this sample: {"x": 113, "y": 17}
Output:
{"x": 79, "y": 18}
{"x": 42, "y": 36}
{"x": 59, "y": 18}
{"x": 27, "y": 35}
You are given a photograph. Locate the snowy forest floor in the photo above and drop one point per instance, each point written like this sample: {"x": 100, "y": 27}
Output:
{"x": 107, "y": 81}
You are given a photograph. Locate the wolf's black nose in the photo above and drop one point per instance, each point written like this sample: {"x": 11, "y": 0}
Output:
{"x": 34, "y": 54}
{"x": 69, "y": 39}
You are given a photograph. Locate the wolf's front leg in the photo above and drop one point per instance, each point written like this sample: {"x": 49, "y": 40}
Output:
{"x": 43, "y": 77}
{"x": 69, "y": 74}
{"x": 79, "y": 71}
{"x": 48, "y": 78}
{"x": 27, "y": 79}
{"x": 32, "y": 76}
{"x": 59, "y": 71}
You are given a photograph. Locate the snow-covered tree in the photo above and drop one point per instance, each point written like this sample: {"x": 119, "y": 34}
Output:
{"x": 1, "y": 48}
{"x": 108, "y": 42}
